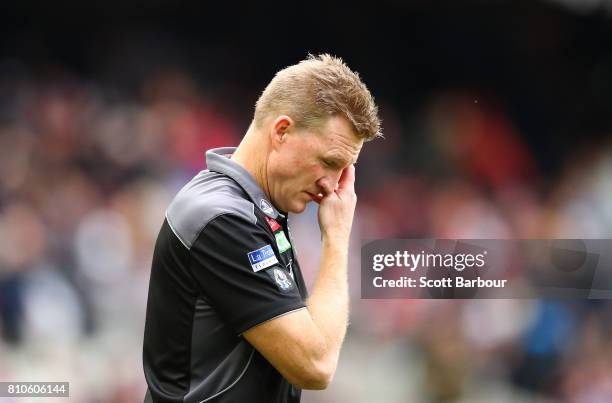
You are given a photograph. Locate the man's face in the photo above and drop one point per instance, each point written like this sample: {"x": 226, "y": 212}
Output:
{"x": 309, "y": 162}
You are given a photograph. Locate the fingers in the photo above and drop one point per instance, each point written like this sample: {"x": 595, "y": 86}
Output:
{"x": 347, "y": 179}
{"x": 345, "y": 183}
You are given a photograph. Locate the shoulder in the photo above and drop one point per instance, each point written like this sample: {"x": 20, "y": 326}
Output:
{"x": 207, "y": 196}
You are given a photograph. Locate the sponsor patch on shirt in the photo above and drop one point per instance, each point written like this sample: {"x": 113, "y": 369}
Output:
{"x": 262, "y": 258}
{"x": 274, "y": 225}
{"x": 282, "y": 242}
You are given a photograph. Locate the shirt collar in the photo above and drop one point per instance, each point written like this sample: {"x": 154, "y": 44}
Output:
{"x": 217, "y": 160}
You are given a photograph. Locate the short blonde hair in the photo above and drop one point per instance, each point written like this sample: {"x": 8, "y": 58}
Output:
{"x": 317, "y": 88}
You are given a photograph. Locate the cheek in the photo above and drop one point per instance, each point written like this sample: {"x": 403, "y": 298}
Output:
{"x": 300, "y": 170}
{"x": 283, "y": 167}
{"x": 295, "y": 165}
{"x": 315, "y": 171}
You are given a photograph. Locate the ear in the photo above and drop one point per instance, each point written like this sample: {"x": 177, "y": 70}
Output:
{"x": 281, "y": 126}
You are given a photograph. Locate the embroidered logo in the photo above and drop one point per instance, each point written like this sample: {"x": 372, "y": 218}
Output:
{"x": 262, "y": 258}
{"x": 275, "y": 226}
{"x": 282, "y": 281}
{"x": 282, "y": 242}
{"x": 265, "y": 206}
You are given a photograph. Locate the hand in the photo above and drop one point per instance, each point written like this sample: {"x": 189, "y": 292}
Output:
{"x": 337, "y": 208}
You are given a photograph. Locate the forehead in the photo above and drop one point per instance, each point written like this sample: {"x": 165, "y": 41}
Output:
{"x": 339, "y": 140}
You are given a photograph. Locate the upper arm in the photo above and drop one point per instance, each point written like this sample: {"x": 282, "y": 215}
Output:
{"x": 236, "y": 265}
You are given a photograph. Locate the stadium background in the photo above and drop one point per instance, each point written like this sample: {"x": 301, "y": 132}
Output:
{"x": 497, "y": 120}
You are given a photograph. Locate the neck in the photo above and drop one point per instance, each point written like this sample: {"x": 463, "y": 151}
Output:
{"x": 252, "y": 154}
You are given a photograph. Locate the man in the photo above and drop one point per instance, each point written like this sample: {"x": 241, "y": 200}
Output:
{"x": 228, "y": 317}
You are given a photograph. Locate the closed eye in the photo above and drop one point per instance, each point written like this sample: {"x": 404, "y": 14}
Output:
{"x": 329, "y": 163}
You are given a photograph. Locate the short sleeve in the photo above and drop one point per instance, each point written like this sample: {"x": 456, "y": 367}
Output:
{"x": 238, "y": 270}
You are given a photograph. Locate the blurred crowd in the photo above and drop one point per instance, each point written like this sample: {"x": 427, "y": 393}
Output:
{"x": 474, "y": 178}
{"x": 85, "y": 178}
{"x": 87, "y": 171}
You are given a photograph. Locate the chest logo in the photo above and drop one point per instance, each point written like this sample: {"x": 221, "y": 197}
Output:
{"x": 262, "y": 258}
{"x": 274, "y": 225}
{"x": 282, "y": 242}
{"x": 265, "y": 206}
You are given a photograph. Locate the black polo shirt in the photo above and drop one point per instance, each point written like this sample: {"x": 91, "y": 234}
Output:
{"x": 223, "y": 263}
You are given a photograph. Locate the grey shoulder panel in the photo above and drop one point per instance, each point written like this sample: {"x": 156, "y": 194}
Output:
{"x": 206, "y": 196}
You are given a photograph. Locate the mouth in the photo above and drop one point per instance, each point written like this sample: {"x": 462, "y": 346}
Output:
{"x": 313, "y": 196}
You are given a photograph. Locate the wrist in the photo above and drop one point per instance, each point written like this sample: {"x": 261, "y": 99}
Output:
{"x": 336, "y": 241}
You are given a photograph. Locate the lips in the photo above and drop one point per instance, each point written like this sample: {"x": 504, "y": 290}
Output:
{"x": 313, "y": 196}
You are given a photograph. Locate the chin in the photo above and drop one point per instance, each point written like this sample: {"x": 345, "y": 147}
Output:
{"x": 297, "y": 208}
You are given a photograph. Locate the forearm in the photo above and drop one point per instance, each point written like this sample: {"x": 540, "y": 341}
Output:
{"x": 328, "y": 303}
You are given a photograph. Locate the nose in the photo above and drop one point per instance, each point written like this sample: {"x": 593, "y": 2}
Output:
{"x": 324, "y": 185}
{"x": 328, "y": 183}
